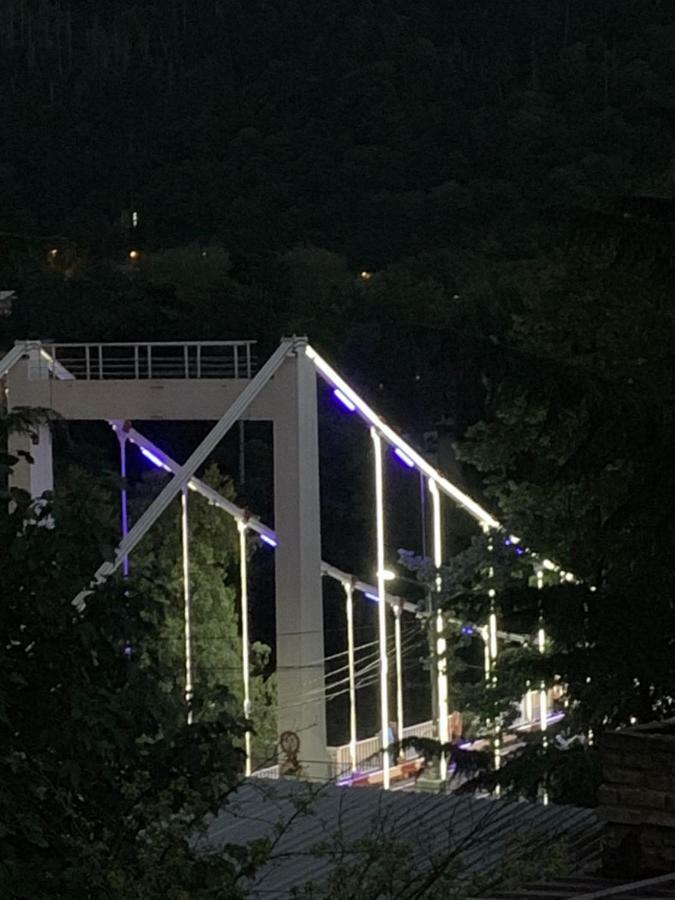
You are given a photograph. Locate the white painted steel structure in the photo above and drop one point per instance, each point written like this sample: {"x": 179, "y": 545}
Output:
{"x": 124, "y": 381}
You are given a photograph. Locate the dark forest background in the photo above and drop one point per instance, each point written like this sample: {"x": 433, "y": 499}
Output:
{"x": 502, "y": 172}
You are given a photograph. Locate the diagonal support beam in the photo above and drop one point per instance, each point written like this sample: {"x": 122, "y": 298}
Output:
{"x": 251, "y": 522}
{"x": 187, "y": 470}
{"x": 391, "y": 437}
{"x": 196, "y": 484}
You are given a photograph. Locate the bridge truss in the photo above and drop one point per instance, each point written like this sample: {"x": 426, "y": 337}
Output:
{"x": 116, "y": 382}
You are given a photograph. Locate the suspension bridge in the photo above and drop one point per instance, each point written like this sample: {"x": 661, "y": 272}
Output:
{"x": 221, "y": 382}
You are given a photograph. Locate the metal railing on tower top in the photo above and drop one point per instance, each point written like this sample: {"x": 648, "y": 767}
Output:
{"x": 179, "y": 359}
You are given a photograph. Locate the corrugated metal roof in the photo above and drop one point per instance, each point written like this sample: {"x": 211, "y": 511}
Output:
{"x": 661, "y": 887}
{"x": 304, "y": 820}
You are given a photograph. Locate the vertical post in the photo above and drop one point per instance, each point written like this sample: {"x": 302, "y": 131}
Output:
{"x": 242, "y": 451}
{"x": 87, "y": 362}
{"x": 528, "y": 704}
{"x": 122, "y": 438}
{"x": 492, "y": 652}
{"x": 100, "y": 362}
{"x": 38, "y": 476}
{"x": 423, "y": 513}
{"x": 299, "y": 607}
{"x": 541, "y": 645}
{"x": 349, "y": 603}
{"x": 399, "y": 671}
{"x": 485, "y": 634}
{"x": 543, "y": 698}
{"x": 245, "y": 667}
{"x": 187, "y": 603}
{"x": 149, "y": 347}
{"x": 492, "y": 628}
{"x": 186, "y": 360}
{"x": 382, "y": 608}
{"x": 488, "y": 641}
{"x": 136, "y": 366}
{"x": 441, "y": 644}
{"x": 248, "y": 359}
{"x": 236, "y": 361}
{"x": 199, "y": 360}
{"x": 543, "y": 706}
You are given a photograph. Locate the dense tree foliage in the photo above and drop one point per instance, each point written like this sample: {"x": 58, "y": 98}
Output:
{"x": 103, "y": 785}
{"x": 215, "y": 633}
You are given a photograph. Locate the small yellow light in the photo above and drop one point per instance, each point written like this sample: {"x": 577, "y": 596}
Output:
{"x": 366, "y": 276}
{"x": 54, "y": 252}
{"x": 134, "y": 255}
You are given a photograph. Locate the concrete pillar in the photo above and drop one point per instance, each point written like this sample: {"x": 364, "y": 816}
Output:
{"x": 299, "y": 606}
{"x": 38, "y": 476}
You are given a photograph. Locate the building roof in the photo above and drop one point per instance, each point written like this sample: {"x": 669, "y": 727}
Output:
{"x": 580, "y": 888}
{"x": 308, "y": 824}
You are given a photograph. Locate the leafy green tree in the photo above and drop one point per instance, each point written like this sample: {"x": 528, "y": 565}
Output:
{"x": 575, "y": 453}
{"x": 215, "y": 613}
{"x": 103, "y": 785}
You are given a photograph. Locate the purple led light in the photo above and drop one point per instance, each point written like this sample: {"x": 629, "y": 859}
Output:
{"x": 155, "y": 460}
{"x": 507, "y": 542}
{"x": 467, "y": 630}
{"x": 344, "y": 400}
{"x": 519, "y": 551}
{"x": 372, "y": 597}
{"x": 268, "y": 540}
{"x": 405, "y": 459}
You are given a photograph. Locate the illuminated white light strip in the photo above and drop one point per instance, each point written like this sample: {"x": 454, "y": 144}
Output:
{"x": 441, "y": 645}
{"x": 332, "y": 377}
{"x": 155, "y": 460}
{"x": 349, "y": 602}
{"x": 187, "y": 603}
{"x": 543, "y": 708}
{"x": 382, "y": 608}
{"x": 369, "y": 414}
{"x": 345, "y": 401}
{"x": 528, "y": 704}
{"x": 493, "y": 636}
{"x": 245, "y": 666}
{"x": 485, "y": 634}
{"x": 399, "y": 672}
{"x": 543, "y": 695}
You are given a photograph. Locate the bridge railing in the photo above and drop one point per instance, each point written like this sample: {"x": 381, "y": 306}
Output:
{"x": 169, "y": 359}
{"x": 368, "y": 757}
